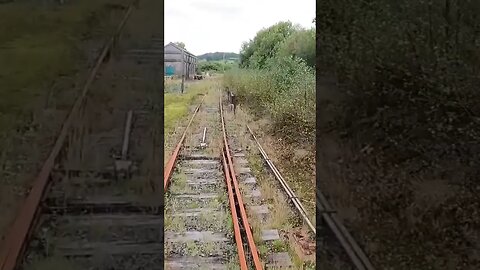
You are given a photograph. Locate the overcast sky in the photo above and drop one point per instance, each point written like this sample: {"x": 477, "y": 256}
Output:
{"x": 222, "y": 25}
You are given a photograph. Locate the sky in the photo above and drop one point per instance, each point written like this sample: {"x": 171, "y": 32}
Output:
{"x": 222, "y": 25}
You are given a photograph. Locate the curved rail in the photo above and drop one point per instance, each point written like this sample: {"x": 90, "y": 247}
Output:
{"x": 168, "y": 170}
{"x": 243, "y": 214}
{"x": 14, "y": 244}
{"x": 291, "y": 195}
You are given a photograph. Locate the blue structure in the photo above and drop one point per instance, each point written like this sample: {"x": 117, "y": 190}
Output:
{"x": 169, "y": 71}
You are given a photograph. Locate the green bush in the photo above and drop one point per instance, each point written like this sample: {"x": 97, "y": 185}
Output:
{"x": 301, "y": 44}
{"x": 284, "y": 90}
{"x": 410, "y": 67}
{"x": 277, "y": 79}
{"x": 41, "y": 45}
{"x": 215, "y": 66}
{"x": 265, "y": 45}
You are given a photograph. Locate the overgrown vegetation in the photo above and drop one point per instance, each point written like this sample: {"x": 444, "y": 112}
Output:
{"x": 409, "y": 73}
{"x": 38, "y": 49}
{"x": 276, "y": 83}
{"x": 177, "y": 106}
{"x": 277, "y": 79}
{"x": 47, "y": 41}
{"x": 180, "y": 44}
{"x": 216, "y": 66}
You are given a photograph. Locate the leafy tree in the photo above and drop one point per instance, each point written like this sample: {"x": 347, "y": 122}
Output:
{"x": 277, "y": 78}
{"x": 410, "y": 69}
{"x": 300, "y": 44}
{"x": 180, "y": 44}
{"x": 208, "y": 66}
{"x": 265, "y": 44}
{"x": 217, "y": 66}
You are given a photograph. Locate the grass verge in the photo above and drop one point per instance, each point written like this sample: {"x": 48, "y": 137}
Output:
{"x": 178, "y": 109}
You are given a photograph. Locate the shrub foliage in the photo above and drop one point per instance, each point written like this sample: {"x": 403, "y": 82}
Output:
{"x": 277, "y": 79}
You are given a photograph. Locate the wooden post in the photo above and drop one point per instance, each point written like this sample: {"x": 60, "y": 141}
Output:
{"x": 183, "y": 70}
{"x": 234, "y": 102}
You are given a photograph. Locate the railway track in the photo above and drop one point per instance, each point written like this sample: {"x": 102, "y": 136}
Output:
{"x": 207, "y": 213}
{"x": 332, "y": 230}
{"x": 200, "y": 170}
{"x": 102, "y": 211}
{"x": 333, "y": 239}
{"x": 94, "y": 204}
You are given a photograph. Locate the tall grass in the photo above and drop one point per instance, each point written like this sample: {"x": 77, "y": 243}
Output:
{"x": 284, "y": 92}
{"x": 176, "y": 107}
{"x": 177, "y": 104}
{"x": 39, "y": 44}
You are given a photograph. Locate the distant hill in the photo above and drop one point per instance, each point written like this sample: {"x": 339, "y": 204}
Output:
{"x": 218, "y": 56}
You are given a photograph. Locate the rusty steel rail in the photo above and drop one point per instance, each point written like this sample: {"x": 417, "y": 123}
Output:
{"x": 353, "y": 250}
{"x": 239, "y": 201}
{"x": 168, "y": 170}
{"x": 291, "y": 195}
{"x": 236, "y": 226}
{"x": 14, "y": 244}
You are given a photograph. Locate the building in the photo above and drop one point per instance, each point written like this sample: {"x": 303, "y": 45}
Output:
{"x": 173, "y": 61}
